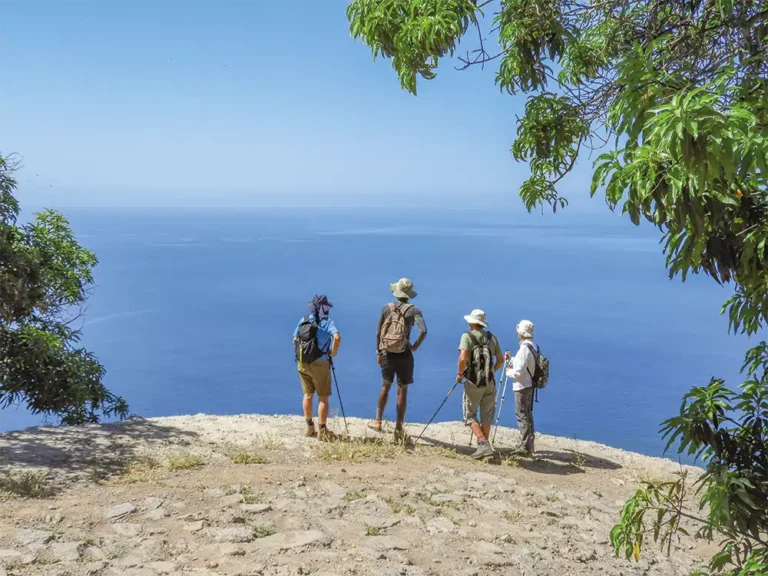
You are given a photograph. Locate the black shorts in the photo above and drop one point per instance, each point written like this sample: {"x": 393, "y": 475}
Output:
{"x": 400, "y": 365}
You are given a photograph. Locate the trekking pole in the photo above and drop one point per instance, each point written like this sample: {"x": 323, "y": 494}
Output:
{"x": 338, "y": 393}
{"x": 438, "y": 410}
{"x": 498, "y": 414}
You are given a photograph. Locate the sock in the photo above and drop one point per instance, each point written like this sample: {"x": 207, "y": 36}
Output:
{"x": 483, "y": 442}
{"x": 310, "y": 422}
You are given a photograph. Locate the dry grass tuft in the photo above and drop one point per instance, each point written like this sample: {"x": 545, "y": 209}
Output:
{"x": 261, "y": 531}
{"x": 240, "y": 455}
{"x": 398, "y": 507}
{"x": 144, "y": 469}
{"x": 513, "y": 516}
{"x": 373, "y": 531}
{"x": 269, "y": 443}
{"x": 24, "y": 485}
{"x": 356, "y": 450}
{"x": 184, "y": 461}
{"x": 353, "y": 495}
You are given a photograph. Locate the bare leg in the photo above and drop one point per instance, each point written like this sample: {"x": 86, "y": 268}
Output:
{"x": 307, "y": 405}
{"x": 486, "y": 431}
{"x": 322, "y": 410}
{"x": 402, "y": 403}
{"x": 383, "y": 397}
{"x": 478, "y": 430}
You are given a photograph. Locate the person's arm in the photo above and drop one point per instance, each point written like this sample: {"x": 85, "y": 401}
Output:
{"x": 462, "y": 366}
{"x": 378, "y": 334}
{"x": 499, "y": 356}
{"x": 463, "y": 357}
{"x": 330, "y": 327}
{"x": 519, "y": 363}
{"x": 296, "y": 332}
{"x": 336, "y": 344}
{"x": 422, "y": 326}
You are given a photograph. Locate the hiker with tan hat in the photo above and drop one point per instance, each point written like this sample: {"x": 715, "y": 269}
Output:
{"x": 394, "y": 351}
{"x": 522, "y": 370}
{"x": 480, "y": 357}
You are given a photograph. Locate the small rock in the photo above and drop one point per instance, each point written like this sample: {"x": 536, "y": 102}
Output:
{"x": 440, "y": 525}
{"x": 162, "y": 567}
{"x": 130, "y": 561}
{"x": 232, "y": 550}
{"x": 234, "y": 534}
{"x": 255, "y": 508}
{"x": 213, "y": 492}
{"x": 121, "y": 511}
{"x": 472, "y": 523}
{"x": 194, "y": 526}
{"x": 157, "y": 514}
{"x": 9, "y": 557}
{"x": 92, "y": 568}
{"x": 27, "y": 537}
{"x": 153, "y": 503}
{"x": 447, "y": 498}
{"x": 289, "y": 540}
{"x": 384, "y": 543}
{"x": 93, "y": 553}
{"x": 229, "y": 501}
{"x": 67, "y": 551}
{"x": 128, "y": 530}
{"x": 238, "y": 520}
{"x": 379, "y": 522}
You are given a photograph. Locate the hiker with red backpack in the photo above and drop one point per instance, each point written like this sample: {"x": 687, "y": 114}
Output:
{"x": 316, "y": 340}
{"x": 394, "y": 351}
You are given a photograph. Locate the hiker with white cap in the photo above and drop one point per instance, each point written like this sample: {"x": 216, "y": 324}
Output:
{"x": 480, "y": 357}
{"x": 394, "y": 351}
{"x": 522, "y": 370}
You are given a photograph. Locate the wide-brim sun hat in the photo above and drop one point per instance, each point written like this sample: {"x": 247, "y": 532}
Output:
{"x": 403, "y": 288}
{"x": 525, "y": 328}
{"x": 476, "y": 317}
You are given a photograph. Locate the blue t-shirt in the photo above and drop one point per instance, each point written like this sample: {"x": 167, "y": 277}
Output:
{"x": 325, "y": 331}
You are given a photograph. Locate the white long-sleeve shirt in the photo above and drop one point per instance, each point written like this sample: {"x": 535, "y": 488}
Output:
{"x": 522, "y": 366}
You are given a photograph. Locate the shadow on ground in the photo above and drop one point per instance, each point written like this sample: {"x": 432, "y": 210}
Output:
{"x": 546, "y": 461}
{"x": 83, "y": 449}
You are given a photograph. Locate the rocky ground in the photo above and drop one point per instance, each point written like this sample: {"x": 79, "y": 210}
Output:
{"x": 248, "y": 495}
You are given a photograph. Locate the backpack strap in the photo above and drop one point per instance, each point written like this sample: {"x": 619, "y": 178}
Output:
{"x": 473, "y": 341}
{"x": 535, "y": 356}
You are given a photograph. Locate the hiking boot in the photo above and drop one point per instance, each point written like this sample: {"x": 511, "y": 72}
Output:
{"x": 483, "y": 451}
{"x": 309, "y": 431}
{"x": 325, "y": 435}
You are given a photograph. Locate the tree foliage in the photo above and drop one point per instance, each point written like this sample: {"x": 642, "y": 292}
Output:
{"x": 674, "y": 95}
{"x": 45, "y": 276}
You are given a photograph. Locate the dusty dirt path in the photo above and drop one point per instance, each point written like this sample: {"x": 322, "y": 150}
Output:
{"x": 168, "y": 496}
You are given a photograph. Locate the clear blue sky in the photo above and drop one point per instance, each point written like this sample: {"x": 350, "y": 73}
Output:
{"x": 239, "y": 104}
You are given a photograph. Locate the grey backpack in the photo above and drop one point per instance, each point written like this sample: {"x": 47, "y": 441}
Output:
{"x": 480, "y": 368}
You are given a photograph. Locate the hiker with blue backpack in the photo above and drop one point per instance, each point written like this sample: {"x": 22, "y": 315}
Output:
{"x": 316, "y": 340}
{"x": 529, "y": 371}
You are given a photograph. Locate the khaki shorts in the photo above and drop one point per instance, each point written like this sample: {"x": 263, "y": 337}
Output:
{"x": 479, "y": 397}
{"x": 316, "y": 378}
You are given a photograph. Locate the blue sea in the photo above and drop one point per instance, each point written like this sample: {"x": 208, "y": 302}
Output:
{"x": 193, "y": 311}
